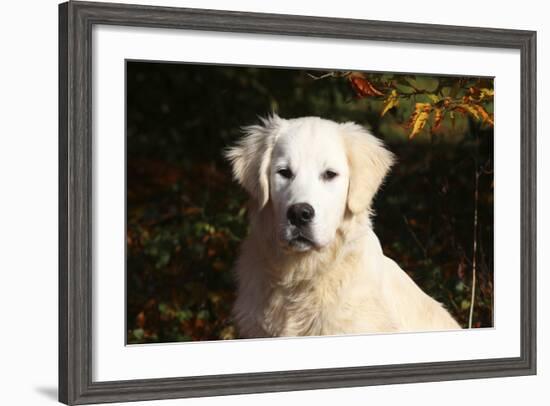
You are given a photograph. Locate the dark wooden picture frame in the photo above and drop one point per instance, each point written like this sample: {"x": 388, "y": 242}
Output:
{"x": 76, "y": 20}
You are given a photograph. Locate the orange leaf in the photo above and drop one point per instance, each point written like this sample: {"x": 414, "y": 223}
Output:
{"x": 484, "y": 115}
{"x": 362, "y": 86}
{"x": 469, "y": 108}
{"x": 474, "y": 92}
{"x": 140, "y": 319}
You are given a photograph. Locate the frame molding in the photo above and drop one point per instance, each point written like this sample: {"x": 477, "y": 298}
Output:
{"x": 76, "y": 20}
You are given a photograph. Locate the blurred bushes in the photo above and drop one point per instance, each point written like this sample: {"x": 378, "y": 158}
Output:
{"x": 186, "y": 217}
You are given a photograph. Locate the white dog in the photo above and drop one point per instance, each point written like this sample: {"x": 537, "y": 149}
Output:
{"x": 311, "y": 264}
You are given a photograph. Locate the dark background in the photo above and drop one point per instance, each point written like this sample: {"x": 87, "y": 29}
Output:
{"x": 186, "y": 217}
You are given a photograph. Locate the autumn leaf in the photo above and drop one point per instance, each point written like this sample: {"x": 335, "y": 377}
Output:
{"x": 469, "y": 108}
{"x": 391, "y": 102}
{"x": 228, "y": 333}
{"x": 480, "y": 94}
{"x": 474, "y": 92}
{"x": 417, "y": 109}
{"x": 438, "y": 117}
{"x": 443, "y": 96}
{"x": 485, "y": 93}
{"x": 476, "y": 111}
{"x": 419, "y": 123}
{"x": 140, "y": 320}
{"x": 434, "y": 98}
{"x": 419, "y": 118}
{"x": 362, "y": 86}
{"x": 485, "y": 117}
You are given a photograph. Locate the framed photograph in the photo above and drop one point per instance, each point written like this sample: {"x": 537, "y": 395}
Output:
{"x": 259, "y": 202}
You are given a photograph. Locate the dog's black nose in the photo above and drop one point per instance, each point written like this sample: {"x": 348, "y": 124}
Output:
{"x": 300, "y": 214}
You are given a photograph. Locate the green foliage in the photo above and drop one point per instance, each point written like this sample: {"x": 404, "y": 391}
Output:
{"x": 186, "y": 217}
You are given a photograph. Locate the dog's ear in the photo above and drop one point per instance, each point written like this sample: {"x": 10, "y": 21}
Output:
{"x": 369, "y": 162}
{"x": 251, "y": 156}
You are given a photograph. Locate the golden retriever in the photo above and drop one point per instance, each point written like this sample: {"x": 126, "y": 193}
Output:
{"x": 311, "y": 264}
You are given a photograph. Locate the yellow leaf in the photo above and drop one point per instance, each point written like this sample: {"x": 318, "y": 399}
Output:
{"x": 422, "y": 106}
{"x": 228, "y": 333}
{"x": 434, "y": 98}
{"x": 485, "y": 93}
{"x": 419, "y": 123}
{"x": 419, "y": 118}
{"x": 390, "y": 102}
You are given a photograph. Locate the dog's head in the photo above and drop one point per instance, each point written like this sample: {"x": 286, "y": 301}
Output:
{"x": 309, "y": 172}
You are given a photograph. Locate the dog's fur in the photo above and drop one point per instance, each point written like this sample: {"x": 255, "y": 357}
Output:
{"x": 338, "y": 281}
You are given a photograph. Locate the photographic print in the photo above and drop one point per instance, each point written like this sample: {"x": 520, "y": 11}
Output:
{"x": 272, "y": 201}
{"x": 281, "y": 202}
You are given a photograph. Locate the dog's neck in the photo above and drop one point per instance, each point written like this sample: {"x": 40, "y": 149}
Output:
{"x": 287, "y": 268}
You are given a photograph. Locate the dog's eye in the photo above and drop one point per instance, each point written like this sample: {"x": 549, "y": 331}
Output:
{"x": 329, "y": 175}
{"x": 285, "y": 173}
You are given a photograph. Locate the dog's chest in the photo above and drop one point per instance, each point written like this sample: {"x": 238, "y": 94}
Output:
{"x": 332, "y": 308}
{"x": 308, "y": 309}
